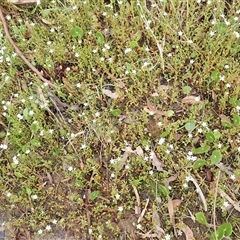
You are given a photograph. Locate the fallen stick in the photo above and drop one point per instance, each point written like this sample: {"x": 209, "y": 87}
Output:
{"x": 19, "y": 53}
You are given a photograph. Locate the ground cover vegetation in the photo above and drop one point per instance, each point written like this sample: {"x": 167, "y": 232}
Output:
{"x": 139, "y": 136}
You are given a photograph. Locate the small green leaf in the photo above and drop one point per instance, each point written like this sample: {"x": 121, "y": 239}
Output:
{"x": 226, "y": 228}
{"x": 199, "y": 163}
{"x": 29, "y": 191}
{"x": 234, "y": 101}
{"x": 26, "y": 113}
{"x": 164, "y": 134}
{"x": 202, "y": 149}
{"x": 18, "y": 174}
{"x": 99, "y": 37}
{"x": 133, "y": 44}
{"x": 200, "y": 217}
{"x": 163, "y": 190}
{"x": 190, "y": 125}
{"x": 35, "y": 142}
{"x": 226, "y": 124}
{"x": 215, "y": 76}
{"x": 2, "y": 134}
{"x": 210, "y": 137}
{"x": 236, "y": 120}
{"x": 93, "y": 195}
{"x": 76, "y": 32}
{"x": 216, "y": 157}
{"x": 217, "y": 134}
{"x": 169, "y": 113}
{"x": 116, "y": 112}
{"x": 187, "y": 90}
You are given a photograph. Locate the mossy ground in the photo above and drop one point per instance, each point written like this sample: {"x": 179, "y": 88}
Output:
{"x": 145, "y": 111}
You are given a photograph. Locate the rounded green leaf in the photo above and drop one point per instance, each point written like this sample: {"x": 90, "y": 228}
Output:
{"x": 99, "y": 37}
{"x": 202, "y": 149}
{"x": 187, "y": 90}
{"x": 216, "y": 157}
{"x": 190, "y": 125}
{"x": 76, "y": 32}
{"x": 217, "y": 134}
{"x": 94, "y": 195}
{"x": 226, "y": 228}
{"x": 200, "y": 217}
{"x": 226, "y": 124}
{"x": 169, "y": 113}
{"x": 236, "y": 120}
{"x": 116, "y": 112}
{"x": 199, "y": 163}
{"x": 29, "y": 191}
{"x": 215, "y": 76}
{"x": 210, "y": 137}
{"x": 2, "y": 134}
{"x": 35, "y": 142}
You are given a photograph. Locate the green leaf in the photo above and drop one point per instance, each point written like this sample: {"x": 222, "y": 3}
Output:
{"x": 190, "y": 125}
{"x": 169, "y": 113}
{"x": 199, "y": 163}
{"x": 187, "y": 90}
{"x": 215, "y": 76}
{"x": 217, "y": 134}
{"x": 163, "y": 190}
{"x": 133, "y": 44}
{"x": 210, "y": 137}
{"x": 116, "y": 112}
{"x": 29, "y": 191}
{"x": 18, "y": 174}
{"x": 226, "y": 124}
{"x": 202, "y": 149}
{"x": 236, "y": 120}
{"x": 76, "y": 32}
{"x": 165, "y": 134}
{"x": 234, "y": 101}
{"x": 99, "y": 37}
{"x": 93, "y": 195}
{"x": 26, "y": 113}
{"x": 216, "y": 157}
{"x": 227, "y": 229}
{"x": 200, "y": 217}
{"x": 35, "y": 142}
{"x": 2, "y": 134}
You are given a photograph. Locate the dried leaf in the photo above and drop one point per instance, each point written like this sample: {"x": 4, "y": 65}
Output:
{"x": 191, "y": 100}
{"x": 110, "y": 94}
{"x": 138, "y": 202}
{"x": 224, "y": 118}
{"x": 170, "y": 179}
{"x": 171, "y": 214}
{"x": 139, "y": 151}
{"x": 187, "y": 231}
{"x": 156, "y": 162}
{"x": 151, "y": 108}
{"x": 67, "y": 84}
{"x": 157, "y": 223}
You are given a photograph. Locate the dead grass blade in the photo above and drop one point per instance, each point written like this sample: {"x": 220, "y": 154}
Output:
{"x": 138, "y": 205}
{"x": 225, "y": 196}
{"x": 143, "y": 211}
{"x": 157, "y": 223}
{"x": 110, "y": 94}
{"x": 200, "y": 193}
{"x": 172, "y": 204}
{"x": 156, "y": 162}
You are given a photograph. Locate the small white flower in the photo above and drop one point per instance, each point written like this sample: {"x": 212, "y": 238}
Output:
{"x": 31, "y": 112}
{"x": 40, "y": 231}
{"x": 83, "y": 146}
{"x": 219, "y": 145}
{"x": 70, "y": 168}
{"x": 159, "y": 124}
{"x": 120, "y": 209}
{"x": 191, "y": 61}
{"x": 112, "y": 175}
{"x": 127, "y": 50}
{"x": 228, "y": 85}
{"x": 222, "y": 78}
{"x": 54, "y": 221}
{"x": 78, "y": 85}
{"x": 27, "y": 151}
{"x": 139, "y": 226}
{"x": 117, "y": 196}
{"x": 190, "y": 41}
{"x": 8, "y": 17}
{"x": 19, "y": 116}
{"x": 179, "y": 232}
{"x": 161, "y": 141}
{"x": 180, "y": 33}
{"x": 204, "y": 124}
{"x": 233, "y": 177}
{"x": 200, "y": 130}
{"x": 48, "y": 227}
{"x": 226, "y": 66}
{"x": 38, "y": 2}
{"x": 3, "y": 146}
{"x": 8, "y": 194}
{"x": 77, "y": 55}
{"x": 188, "y": 178}
{"x": 34, "y": 197}
{"x": 238, "y": 149}
{"x": 51, "y": 131}
{"x": 90, "y": 231}
{"x": 167, "y": 237}
{"x": 151, "y": 172}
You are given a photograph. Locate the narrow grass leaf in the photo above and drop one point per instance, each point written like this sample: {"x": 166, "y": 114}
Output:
{"x": 201, "y": 150}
